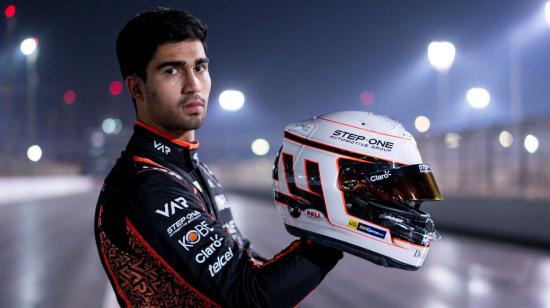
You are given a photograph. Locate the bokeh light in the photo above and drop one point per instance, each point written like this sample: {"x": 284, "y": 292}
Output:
{"x": 115, "y": 88}
{"x": 505, "y": 139}
{"x": 28, "y": 46}
{"x": 10, "y": 10}
{"x": 260, "y": 147}
{"x": 531, "y": 143}
{"x": 478, "y": 98}
{"x": 69, "y": 97}
{"x": 441, "y": 55}
{"x": 452, "y": 140}
{"x": 422, "y": 123}
{"x": 111, "y": 126}
{"x": 231, "y": 100}
{"x": 34, "y": 153}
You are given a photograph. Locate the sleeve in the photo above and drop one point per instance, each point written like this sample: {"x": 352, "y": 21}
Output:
{"x": 175, "y": 224}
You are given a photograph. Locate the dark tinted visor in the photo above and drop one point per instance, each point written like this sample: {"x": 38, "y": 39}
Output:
{"x": 407, "y": 183}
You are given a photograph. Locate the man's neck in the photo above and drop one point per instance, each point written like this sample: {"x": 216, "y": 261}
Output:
{"x": 183, "y": 135}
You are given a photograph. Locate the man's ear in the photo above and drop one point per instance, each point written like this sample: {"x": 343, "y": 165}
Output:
{"x": 136, "y": 87}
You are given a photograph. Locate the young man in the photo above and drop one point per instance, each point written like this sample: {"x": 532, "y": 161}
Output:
{"x": 164, "y": 230}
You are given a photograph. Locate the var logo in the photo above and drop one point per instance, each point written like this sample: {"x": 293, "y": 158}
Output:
{"x": 170, "y": 207}
{"x": 161, "y": 147}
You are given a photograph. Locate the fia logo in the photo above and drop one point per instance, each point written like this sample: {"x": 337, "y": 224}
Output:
{"x": 161, "y": 147}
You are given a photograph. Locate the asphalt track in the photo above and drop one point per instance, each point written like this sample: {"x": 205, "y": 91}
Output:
{"x": 48, "y": 259}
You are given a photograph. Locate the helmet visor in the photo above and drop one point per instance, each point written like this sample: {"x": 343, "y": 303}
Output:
{"x": 406, "y": 183}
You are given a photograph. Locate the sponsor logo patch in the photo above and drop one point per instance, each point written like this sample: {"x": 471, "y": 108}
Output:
{"x": 210, "y": 250}
{"x": 424, "y": 168}
{"x": 371, "y": 143}
{"x": 195, "y": 235}
{"x": 361, "y": 227}
{"x": 161, "y": 147}
{"x": 220, "y": 262}
{"x": 221, "y": 202}
{"x": 170, "y": 207}
{"x": 381, "y": 176}
{"x": 182, "y": 222}
{"x": 314, "y": 214}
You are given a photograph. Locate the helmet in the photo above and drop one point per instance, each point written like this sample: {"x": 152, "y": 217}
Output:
{"x": 355, "y": 181}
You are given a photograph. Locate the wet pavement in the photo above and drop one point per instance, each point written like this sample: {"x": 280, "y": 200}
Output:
{"x": 49, "y": 259}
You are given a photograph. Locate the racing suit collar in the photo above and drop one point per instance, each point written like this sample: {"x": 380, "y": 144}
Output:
{"x": 149, "y": 142}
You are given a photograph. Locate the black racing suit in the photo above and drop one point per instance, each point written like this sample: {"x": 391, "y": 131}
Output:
{"x": 166, "y": 236}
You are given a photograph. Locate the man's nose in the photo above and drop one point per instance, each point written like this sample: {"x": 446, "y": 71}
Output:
{"x": 192, "y": 84}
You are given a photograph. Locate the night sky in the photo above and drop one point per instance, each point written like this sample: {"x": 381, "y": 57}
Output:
{"x": 292, "y": 60}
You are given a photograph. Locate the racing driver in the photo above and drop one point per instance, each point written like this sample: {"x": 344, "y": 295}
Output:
{"x": 163, "y": 228}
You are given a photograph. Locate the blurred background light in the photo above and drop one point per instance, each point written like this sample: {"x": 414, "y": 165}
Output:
{"x": 422, "y": 123}
{"x": 441, "y": 55}
{"x": 9, "y": 12}
{"x": 547, "y": 12}
{"x": 505, "y": 139}
{"x": 478, "y": 286}
{"x": 28, "y": 46}
{"x": 69, "y": 97}
{"x": 111, "y": 126}
{"x": 34, "y": 153}
{"x": 97, "y": 139}
{"x": 367, "y": 98}
{"x": 452, "y": 140}
{"x": 231, "y": 100}
{"x": 531, "y": 143}
{"x": 115, "y": 88}
{"x": 260, "y": 147}
{"x": 478, "y": 98}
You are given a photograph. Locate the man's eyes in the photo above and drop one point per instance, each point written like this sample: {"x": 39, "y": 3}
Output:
{"x": 198, "y": 69}
{"x": 201, "y": 68}
{"x": 171, "y": 71}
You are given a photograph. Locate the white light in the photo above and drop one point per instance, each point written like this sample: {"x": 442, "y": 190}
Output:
{"x": 531, "y": 143}
{"x": 443, "y": 280}
{"x": 231, "y": 100}
{"x": 441, "y": 55}
{"x": 452, "y": 140}
{"x": 28, "y": 46}
{"x": 505, "y": 139}
{"x": 260, "y": 147}
{"x": 547, "y": 12}
{"x": 97, "y": 139}
{"x": 479, "y": 287}
{"x": 422, "y": 124}
{"x": 34, "y": 153}
{"x": 478, "y": 97}
{"x": 111, "y": 126}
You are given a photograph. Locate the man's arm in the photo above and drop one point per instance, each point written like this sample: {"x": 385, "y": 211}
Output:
{"x": 170, "y": 217}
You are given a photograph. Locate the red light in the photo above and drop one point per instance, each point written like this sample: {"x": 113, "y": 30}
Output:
{"x": 69, "y": 97}
{"x": 367, "y": 98}
{"x": 115, "y": 88}
{"x": 9, "y": 12}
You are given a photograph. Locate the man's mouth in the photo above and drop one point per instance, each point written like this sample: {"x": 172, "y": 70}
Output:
{"x": 194, "y": 106}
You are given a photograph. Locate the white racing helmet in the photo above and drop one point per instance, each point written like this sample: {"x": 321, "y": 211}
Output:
{"x": 355, "y": 181}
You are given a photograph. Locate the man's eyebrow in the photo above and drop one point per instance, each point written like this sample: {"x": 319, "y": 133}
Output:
{"x": 181, "y": 63}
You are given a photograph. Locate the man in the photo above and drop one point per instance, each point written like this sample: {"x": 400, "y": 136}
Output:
{"x": 164, "y": 230}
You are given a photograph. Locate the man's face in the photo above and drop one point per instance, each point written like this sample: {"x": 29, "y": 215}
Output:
{"x": 178, "y": 84}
